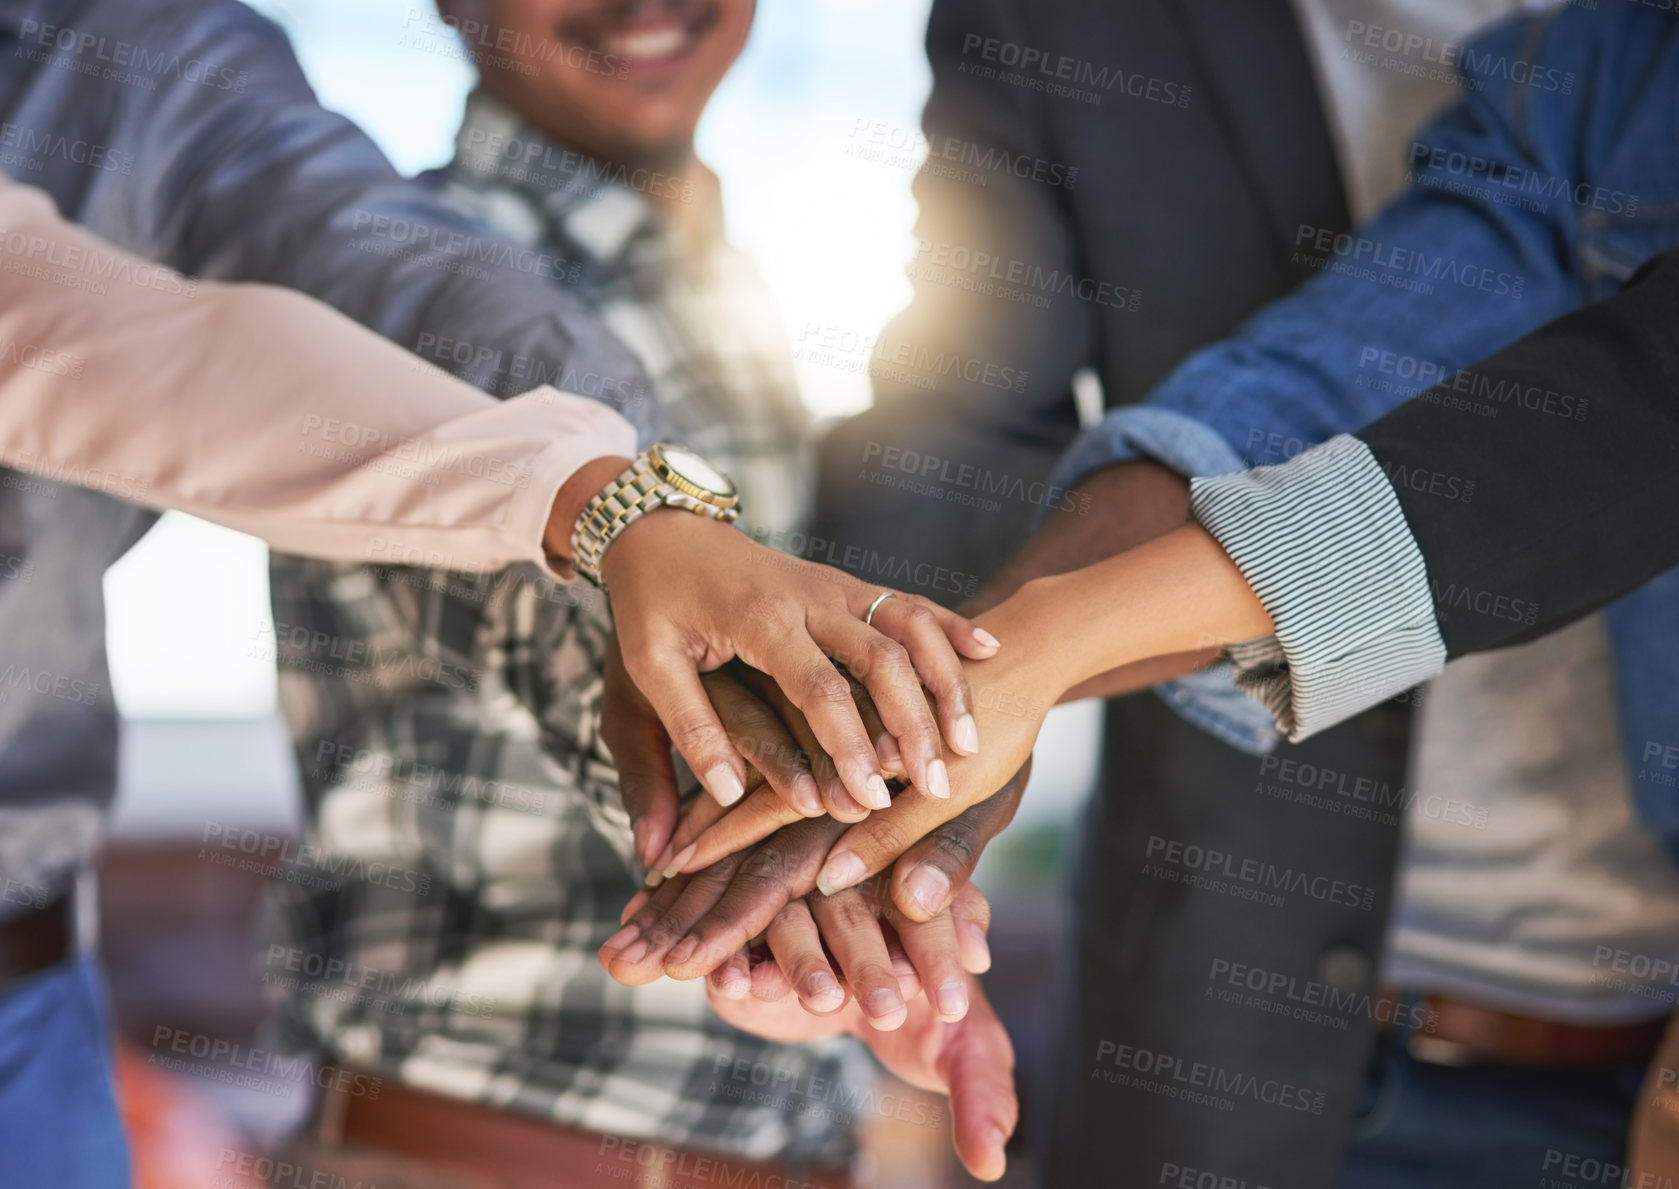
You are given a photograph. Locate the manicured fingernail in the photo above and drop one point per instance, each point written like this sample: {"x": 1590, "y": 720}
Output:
{"x": 881, "y": 1003}
{"x": 841, "y": 872}
{"x": 975, "y": 937}
{"x": 665, "y": 856}
{"x": 822, "y": 990}
{"x": 928, "y": 887}
{"x": 683, "y": 951}
{"x": 953, "y": 999}
{"x": 999, "y": 1140}
{"x": 674, "y": 867}
{"x": 986, "y": 640}
{"x": 938, "y": 780}
{"x": 807, "y": 798}
{"x": 654, "y": 879}
{"x": 722, "y": 783}
{"x": 891, "y": 758}
{"x": 622, "y": 938}
{"x": 964, "y": 736}
{"x": 880, "y": 797}
{"x": 634, "y": 954}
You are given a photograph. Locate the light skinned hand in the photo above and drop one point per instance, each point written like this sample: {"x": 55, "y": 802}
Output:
{"x": 783, "y": 782}
{"x": 765, "y": 728}
{"x": 970, "y": 1061}
{"x": 689, "y": 595}
{"x": 1177, "y": 594}
{"x": 789, "y": 619}
{"x": 1013, "y": 702}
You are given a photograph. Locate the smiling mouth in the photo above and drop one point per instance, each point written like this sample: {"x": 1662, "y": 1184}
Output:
{"x": 643, "y": 36}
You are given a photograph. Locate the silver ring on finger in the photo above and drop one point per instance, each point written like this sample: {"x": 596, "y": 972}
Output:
{"x": 868, "y": 617}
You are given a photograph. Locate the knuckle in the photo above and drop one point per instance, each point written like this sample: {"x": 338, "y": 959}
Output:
{"x": 664, "y": 932}
{"x": 884, "y": 654}
{"x": 954, "y": 849}
{"x": 714, "y": 880}
{"x": 949, "y": 686}
{"x": 824, "y": 684}
{"x": 851, "y": 913}
{"x": 692, "y": 727}
{"x": 767, "y": 867}
{"x": 917, "y": 613}
{"x": 642, "y": 657}
{"x": 769, "y": 608}
{"x": 886, "y": 836}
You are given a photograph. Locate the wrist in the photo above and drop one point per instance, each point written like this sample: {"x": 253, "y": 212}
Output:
{"x": 1033, "y": 661}
{"x": 665, "y": 475}
{"x": 1179, "y": 593}
{"x": 1110, "y": 510}
{"x": 585, "y": 483}
{"x": 659, "y": 532}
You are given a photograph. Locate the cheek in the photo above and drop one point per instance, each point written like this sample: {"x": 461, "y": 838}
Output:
{"x": 735, "y": 22}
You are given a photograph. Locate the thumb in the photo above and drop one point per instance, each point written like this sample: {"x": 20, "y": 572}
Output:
{"x": 978, "y": 1066}
{"x": 670, "y": 684}
{"x": 641, "y": 750}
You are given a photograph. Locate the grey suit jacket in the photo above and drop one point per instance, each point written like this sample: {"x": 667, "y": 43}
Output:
{"x": 1112, "y": 186}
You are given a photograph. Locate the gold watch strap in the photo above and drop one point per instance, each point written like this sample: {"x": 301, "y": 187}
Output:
{"x": 636, "y": 492}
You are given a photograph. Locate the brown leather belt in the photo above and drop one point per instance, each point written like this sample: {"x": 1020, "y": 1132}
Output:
{"x": 508, "y": 1150}
{"x": 1454, "y": 1032}
{"x": 38, "y": 940}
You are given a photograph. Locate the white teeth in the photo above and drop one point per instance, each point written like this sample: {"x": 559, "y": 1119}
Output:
{"x": 643, "y": 45}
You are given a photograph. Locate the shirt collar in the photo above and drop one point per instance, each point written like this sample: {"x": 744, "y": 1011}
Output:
{"x": 601, "y": 207}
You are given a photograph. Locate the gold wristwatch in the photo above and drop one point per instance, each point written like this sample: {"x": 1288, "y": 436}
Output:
{"x": 663, "y": 476}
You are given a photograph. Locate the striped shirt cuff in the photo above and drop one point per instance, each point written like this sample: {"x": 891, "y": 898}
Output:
{"x": 1325, "y": 546}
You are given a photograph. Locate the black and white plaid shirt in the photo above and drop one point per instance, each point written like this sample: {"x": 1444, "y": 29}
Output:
{"x": 469, "y": 852}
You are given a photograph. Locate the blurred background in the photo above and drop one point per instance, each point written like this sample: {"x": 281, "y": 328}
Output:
{"x": 190, "y": 629}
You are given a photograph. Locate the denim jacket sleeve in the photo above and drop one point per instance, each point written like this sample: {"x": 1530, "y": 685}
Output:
{"x": 240, "y": 174}
{"x": 1449, "y": 272}
{"x": 1462, "y": 263}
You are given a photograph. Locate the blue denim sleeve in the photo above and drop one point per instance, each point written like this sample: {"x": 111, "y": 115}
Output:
{"x": 1143, "y": 431}
{"x": 244, "y": 176}
{"x": 1449, "y": 272}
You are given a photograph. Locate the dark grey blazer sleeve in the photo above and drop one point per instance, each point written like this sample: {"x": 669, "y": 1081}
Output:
{"x": 1576, "y": 489}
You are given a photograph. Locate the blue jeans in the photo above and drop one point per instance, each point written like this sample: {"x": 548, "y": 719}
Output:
{"x": 1486, "y": 1126}
{"x": 59, "y": 1125}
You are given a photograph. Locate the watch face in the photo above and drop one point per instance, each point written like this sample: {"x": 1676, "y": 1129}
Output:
{"x": 696, "y": 470}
